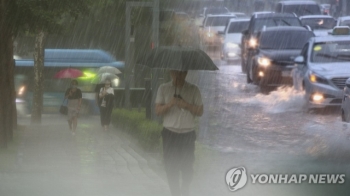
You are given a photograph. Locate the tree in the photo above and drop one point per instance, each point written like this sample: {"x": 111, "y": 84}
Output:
{"x": 32, "y": 16}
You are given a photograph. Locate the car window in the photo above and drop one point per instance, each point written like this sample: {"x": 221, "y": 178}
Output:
{"x": 219, "y": 10}
{"x": 284, "y": 39}
{"x": 218, "y": 21}
{"x": 272, "y": 22}
{"x": 238, "y": 27}
{"x": 302, "y": 9}
{"x": 345, "y": 23}
{"x": 329, "y": 52}
{"x": 319, "y": 23}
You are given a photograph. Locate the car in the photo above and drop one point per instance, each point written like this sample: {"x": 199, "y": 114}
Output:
{"x": 232, "y": 36}
{"x": 343, "y": 21}
{"x": 211, "y": 26}
{"x": 322, "y": 69}
{"x": 239, "y": 14}
{"x": 322, "y": 25}
{"x": 345, "y": 106}
{"x": 300, "y": 8}
{"x": 210, "y": 10}
{"x": 325, "y": 9}
{"x": 272, "y": 60}
{"x": 257, "y": 23}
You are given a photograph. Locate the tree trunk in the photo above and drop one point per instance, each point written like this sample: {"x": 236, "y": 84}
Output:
{"x": 39, "y": 52}
{"x": 6, "y": 76}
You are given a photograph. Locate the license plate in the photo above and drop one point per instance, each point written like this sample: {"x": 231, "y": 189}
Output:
{"x": 286, "y": 73}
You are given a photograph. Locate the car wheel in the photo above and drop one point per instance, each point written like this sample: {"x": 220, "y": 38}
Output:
{"x": 248, "y": 77}
{"x": 255, "y": 76}
{"x": 243, "y": 64}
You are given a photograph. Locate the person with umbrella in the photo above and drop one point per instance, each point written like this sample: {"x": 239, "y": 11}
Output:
{"x": 74, "y": 96}
{"x": 179, "y": 102}
{"x": 106, "y": 96}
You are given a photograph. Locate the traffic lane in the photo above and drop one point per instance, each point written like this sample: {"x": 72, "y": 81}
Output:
{"x": 239, "y": 118}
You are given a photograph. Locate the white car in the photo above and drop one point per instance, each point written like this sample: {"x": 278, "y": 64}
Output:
{"x": 210, "y": 10}
{"x": 321, "y": 25}
{"x": 232, "y": 36}
{"x": 211, "y": 26}
{"x": 322, "y": 69}
{"x": 345, "y": 106}
{"x": 343, "y": 21}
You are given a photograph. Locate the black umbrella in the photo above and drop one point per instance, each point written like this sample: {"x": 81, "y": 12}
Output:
{"x": 177, "y": 58}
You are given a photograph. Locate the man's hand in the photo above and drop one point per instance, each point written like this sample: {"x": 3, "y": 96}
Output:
{"x": 181, "y": 103}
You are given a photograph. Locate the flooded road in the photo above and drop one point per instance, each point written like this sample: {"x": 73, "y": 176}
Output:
{"x": 268, "y": 133}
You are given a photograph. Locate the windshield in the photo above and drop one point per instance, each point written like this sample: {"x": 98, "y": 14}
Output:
{"x": 319, "y": 23}
{"x": 329, "y": 52}
{"x": 302, "y": 10}
{"x": 345, "y": 23}
{"x": 238, "y": 27}
{"x": 284, "y": 39}
{"x": 272, "y": 22}
{"x": 218, "y": 21}
{"x": 221, "y": 10}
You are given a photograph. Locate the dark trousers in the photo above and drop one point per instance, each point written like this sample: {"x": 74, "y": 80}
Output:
{"x": 105, "y": 115}
{"x": 178, "y": 152}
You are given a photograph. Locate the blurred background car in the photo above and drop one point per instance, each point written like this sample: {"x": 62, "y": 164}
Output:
{"x": 325, "y": 9}
{"x": 343, "y": 21}
{"x": 211, "y": 26}
{"x": 322, "y": 25}
{"x": 232, "y": 35}
{"x": 272, "y": 60}
{"x": 257, "y": 23}
{"x": 300, "y": 8}
{"x": 210, "y": 10}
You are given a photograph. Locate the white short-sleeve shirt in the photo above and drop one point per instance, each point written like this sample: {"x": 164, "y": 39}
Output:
{"x": 176, "y": 119}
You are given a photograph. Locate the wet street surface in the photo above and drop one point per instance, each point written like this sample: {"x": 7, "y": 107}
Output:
{"x": 267, "y": 133}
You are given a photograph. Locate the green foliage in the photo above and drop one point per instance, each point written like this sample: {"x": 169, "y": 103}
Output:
{"x": 47, "y": 15}
{"x": 135, "y": 123}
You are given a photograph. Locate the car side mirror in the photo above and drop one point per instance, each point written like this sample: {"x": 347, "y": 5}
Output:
{"x": 347, "y": 83}
{"x": 299, "y": 60}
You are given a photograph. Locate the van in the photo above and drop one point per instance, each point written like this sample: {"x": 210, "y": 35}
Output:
{"x": 299, "y": 8}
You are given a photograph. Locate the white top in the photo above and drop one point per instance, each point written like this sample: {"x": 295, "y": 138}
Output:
{"x": 176, "y": 119}
{"x": 109, "y": 90}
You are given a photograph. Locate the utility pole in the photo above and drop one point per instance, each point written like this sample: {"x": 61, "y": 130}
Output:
{"x": 155, "y": 43}
{"x": 129, "y": 39}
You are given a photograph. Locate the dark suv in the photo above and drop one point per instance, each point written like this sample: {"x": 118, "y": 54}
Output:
{"x": 259, "y": 22}
{"x": 271, "y": 62}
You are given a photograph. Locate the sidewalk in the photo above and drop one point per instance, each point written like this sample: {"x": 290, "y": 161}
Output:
{"x": 48, "y": 160}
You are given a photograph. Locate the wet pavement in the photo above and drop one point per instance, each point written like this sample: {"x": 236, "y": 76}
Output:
{"x": 49, "y": 160}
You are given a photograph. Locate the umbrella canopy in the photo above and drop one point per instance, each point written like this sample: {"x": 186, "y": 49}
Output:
{"x": 108, "y": 69}
{"x": 101, "y": 78}
{"x": 177, "y": 58}
{"x": 69, "y": 73}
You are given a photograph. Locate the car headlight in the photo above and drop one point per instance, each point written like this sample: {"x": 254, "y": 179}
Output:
{"x": 231, "y": 45}
{"x": 314, "y": 78}
{"x": 21, "y": 90}
{"x": 253, "y": 42}
{"x": 263, "y": 61}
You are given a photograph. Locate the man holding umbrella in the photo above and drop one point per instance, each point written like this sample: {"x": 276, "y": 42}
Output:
{"x": 179, "y": 102}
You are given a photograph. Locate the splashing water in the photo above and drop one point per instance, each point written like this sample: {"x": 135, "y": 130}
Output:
{"x": 284, "y": 99}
